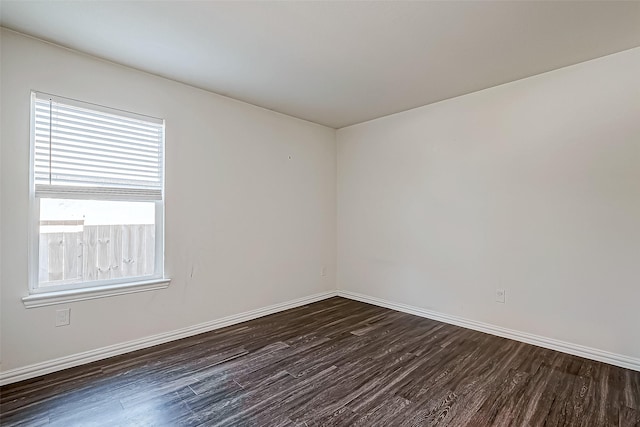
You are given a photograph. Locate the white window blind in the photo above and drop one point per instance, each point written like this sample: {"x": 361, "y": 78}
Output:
{"x": 82, "y": 150}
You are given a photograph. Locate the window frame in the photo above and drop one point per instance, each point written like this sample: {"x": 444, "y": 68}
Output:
{"x": 97, "y": 288}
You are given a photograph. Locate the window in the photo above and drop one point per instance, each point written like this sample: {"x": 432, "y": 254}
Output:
{"x": 97, "y": 191}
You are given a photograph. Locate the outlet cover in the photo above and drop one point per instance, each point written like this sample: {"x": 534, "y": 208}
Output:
{"x": 500, "y": 293}
{"x": 63, "y": 317}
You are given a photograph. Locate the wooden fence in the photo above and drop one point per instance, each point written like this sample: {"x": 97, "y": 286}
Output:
{"x": 96, "y": 252}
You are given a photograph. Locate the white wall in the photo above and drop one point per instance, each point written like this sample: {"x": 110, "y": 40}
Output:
{"x": 245, "y": 226}
{"x": 532, "y": 186}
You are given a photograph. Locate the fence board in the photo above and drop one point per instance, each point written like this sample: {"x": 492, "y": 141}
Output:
{"x": 115, "y": 259}
{"x": 128, "y": 253}
{"x": 72, "y": 256}
{"x": 149, "y": 250}
{"x": 43, "y": 259}
{"x": 90, "y": 252}
{"x": 56, "y": 256}
{"x": 103, "y": 246}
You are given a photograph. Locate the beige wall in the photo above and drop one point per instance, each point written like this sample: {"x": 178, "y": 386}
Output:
{"x": 245, "y": 226}
{"x": 532, "y": 186}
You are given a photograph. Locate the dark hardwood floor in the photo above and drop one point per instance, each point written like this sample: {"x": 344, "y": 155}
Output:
{"x": 333, "y": 363}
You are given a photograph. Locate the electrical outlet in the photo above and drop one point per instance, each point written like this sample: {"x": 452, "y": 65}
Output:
{"x": 323, "y": 271}
{"x": 500, "y": 293}
{"x": 63, "y": 317}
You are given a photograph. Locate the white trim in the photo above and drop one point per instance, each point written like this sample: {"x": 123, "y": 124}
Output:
{"x": 33, "y": 232}
{"x": 540, "y": 341}
{"x": 42, "y": 368}
{"x": 159, "y": 238}
{"x": 42, "y": 299}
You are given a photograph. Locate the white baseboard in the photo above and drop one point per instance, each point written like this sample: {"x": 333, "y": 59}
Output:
{"x": 37, "y": 369}
{"x": 550, "y": 343}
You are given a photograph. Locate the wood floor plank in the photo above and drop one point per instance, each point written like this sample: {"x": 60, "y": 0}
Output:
{"x": 629, "y": 417}
{"x": 333, "y": 363}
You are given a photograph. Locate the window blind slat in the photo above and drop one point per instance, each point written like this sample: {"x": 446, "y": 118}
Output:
{"x": 96, "y": 140}
{"x": 43, "y": 116}
{"x": 42, "y": 113}
{"x": 63, "y": 123}
{"x": 99, "y": 181}
{"x": 97, "y": 152}
{"x": 115, "y": 118}
{"x": 97, "y": 193}
{"x": 93, "y": 157}
{"x": 80, "y": 169}
{"x": 92, "y": 129}
{"x": 102, "y": 150}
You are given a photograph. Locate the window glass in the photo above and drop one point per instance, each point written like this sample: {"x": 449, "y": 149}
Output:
{"x": 87, "y": 240}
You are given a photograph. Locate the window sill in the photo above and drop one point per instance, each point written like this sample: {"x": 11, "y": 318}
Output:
{"x": 42, "y": 299}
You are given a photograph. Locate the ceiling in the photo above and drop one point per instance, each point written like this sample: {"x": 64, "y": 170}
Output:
{"x": 335, "y": 63}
